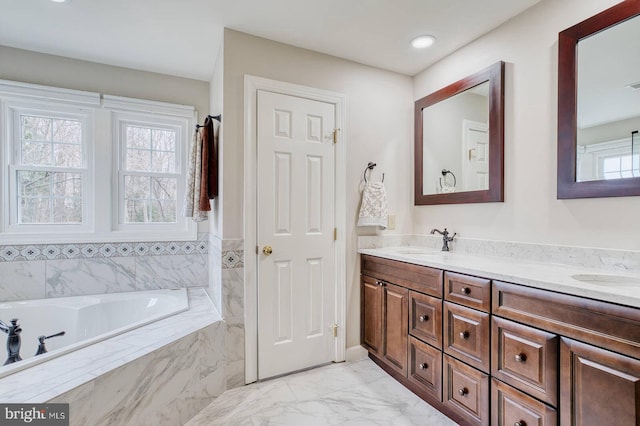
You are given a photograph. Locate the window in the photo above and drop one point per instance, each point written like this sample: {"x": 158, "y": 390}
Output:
{"x": 149, "y": 171}
{"x": 67, "y": 182}
{"x": 48, "y": 175}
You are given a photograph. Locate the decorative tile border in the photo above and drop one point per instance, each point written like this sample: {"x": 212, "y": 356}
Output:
{"x": 232, "y": 259}
{"x": 11, "y": 253}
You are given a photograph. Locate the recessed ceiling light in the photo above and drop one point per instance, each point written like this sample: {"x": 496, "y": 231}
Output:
{"x": 60, "y": 1}
{"x": 423, "y": 41}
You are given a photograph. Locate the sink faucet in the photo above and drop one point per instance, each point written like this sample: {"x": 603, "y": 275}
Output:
{"x": 446, "y": 239}
{"x": 13, "y": 340}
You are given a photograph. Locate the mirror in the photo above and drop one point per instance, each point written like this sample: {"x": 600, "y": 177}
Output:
{"x": 599, "y": 105}
{"x": 459, "y": 140}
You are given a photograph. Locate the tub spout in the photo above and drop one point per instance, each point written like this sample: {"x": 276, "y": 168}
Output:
{"x": 41, "y": 347}
{"x": 13, "y": 331}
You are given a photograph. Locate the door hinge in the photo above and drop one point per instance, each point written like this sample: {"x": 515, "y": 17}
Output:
{"x": 335, "y": 234}
{"x": 334, "y": 327}
{"x": 335, "y": 135}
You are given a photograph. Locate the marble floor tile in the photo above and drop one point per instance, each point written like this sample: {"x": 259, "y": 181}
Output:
{"x": 354, "y": 394}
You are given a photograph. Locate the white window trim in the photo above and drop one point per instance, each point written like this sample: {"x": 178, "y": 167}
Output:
{"x": 597, "y": 152}
{"x": 100, "y": 223}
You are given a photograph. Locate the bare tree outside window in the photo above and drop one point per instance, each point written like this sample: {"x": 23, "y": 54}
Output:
{"x": 150, "y": 179}
{"x": 49, "y": 189}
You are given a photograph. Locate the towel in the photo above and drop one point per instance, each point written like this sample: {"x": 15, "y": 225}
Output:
{"x": 209, "y": 181}
{"x": 194, "y": 181}
{"x": 373, "y": 210}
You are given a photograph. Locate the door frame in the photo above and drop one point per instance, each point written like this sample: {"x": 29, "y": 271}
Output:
{"x": 251, "y": 86}
{"x": 467, "y": 126}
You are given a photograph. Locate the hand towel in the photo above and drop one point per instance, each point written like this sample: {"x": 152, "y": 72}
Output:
{"x": 373, "y": 210}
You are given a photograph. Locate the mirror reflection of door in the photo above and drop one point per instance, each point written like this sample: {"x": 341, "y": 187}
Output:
{"x": 608, "y": 103}
{"x": 455, "y": 138}
{"x": 475, "y": 155}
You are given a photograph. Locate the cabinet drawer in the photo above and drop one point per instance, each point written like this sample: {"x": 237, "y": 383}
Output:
{"x": 512, "y": 407}
{"x": 526, "y": 358}
{"x": 425, "y": 318}
{"x": 466, "y": 335}
{"x": 466, "y": 391}
{"x": 415, "y": 277}
{"x": 469, "y": 291}
{"x": 425, "y": 367}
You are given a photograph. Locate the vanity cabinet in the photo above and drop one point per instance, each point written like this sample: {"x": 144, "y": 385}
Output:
{"x": 488, "y": 352}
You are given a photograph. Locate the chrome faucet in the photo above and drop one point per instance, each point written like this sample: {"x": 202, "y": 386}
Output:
{"x": 446, "y": 239}
{"x": 42, "y": 349}
{"x": 13, "y": 340}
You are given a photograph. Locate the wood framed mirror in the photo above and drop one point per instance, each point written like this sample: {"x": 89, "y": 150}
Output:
{"x": 599, "y": 105}
{"x": 459, "y": 141}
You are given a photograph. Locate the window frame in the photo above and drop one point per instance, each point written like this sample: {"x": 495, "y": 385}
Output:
{"x": 120, "y": 121}
{"x": 101, "y": 154}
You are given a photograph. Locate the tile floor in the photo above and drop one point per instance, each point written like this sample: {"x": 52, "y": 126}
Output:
{"x": 356, "y": 394}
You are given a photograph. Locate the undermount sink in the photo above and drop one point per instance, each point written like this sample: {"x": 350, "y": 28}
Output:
{"x": 607, "y": 280}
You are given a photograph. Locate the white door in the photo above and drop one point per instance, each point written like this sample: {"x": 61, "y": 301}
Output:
{"x": 295, "y": 218}
{"x": 475, "y": 144}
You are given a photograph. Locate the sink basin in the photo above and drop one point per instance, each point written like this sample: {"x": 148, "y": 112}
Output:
{"x": 608, "y": 280}
{"x": 411, "y": 251}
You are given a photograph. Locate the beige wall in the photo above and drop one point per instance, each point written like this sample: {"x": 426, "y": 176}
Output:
{"x": 531, "y": 212}
{"x": 216, "y": 88}
{"x": 378, "y": 122}
{"x": 68, "y": 73}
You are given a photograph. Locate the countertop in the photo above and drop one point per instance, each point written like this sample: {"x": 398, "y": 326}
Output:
{"x": 620, "y": 288}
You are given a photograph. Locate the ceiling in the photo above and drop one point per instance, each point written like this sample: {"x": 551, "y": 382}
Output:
{"x": 183, "y": 37}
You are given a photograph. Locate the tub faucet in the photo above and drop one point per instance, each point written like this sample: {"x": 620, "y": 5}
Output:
{"x": 13, "y": 340}
{"x": 41, "y": 347}
{"x": 446, "y": 239}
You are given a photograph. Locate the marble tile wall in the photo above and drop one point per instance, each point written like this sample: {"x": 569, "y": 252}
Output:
{"x": 585, "y": 257}
{"x": 60, "y": 270}
{"x": 167, "y": 386}
{"x": 232, "y": 281}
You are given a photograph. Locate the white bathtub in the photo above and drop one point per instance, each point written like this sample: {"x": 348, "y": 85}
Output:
{"x": 84, "y": 319}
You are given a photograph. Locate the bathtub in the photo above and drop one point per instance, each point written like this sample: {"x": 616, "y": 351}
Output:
{"x": 84, "y": 319}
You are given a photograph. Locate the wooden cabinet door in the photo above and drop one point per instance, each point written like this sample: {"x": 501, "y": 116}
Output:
{"x": 395, "y": 327}
{"x": 598, "y": 387}
{"x": 371, "y": 314}
{"x": 425, "y": 367}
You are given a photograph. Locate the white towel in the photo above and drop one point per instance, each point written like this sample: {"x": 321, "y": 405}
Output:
{"x": 373, "y": 211}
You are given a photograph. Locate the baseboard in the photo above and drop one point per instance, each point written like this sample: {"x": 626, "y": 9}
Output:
{"x": 356, "y": 353}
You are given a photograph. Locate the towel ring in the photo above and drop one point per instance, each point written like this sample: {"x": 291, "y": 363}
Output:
{"x": 445, "y": 172}
{"x": 370, "y": 166}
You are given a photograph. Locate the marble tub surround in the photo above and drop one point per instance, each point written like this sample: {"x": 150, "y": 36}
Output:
{"x": 39, "y": 279}
{"x": 586, "y": 257}
{"x": 533, "y": 273}
{"x": 49, "y": 380}
{"x": 357, "y": 393}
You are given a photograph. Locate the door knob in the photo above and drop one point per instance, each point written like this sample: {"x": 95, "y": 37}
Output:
{"x": 267, "y": 250}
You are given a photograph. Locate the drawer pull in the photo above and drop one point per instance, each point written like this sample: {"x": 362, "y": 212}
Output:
{"x": 465, "y": 290}
{"x": 464, "y": 335}
{"x": 380, "y": 283}
{"x": 423, "y": 366}
{"x": 520, "y": 423}
{"x": 424, "y": 318}
{"x": 463, "y": 391}
{"x": 520, "y": 358}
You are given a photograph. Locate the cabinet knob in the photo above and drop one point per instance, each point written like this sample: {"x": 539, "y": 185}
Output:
{"x": 423, "y": 366}
{"x": 464, "y": 334}
{"x": 465, "y": 290}
{"x": 380, "y": 283}
{"x": 463, "y": 391}
{"x": 520, "y": 358}
{"x": 520, "y": 423}
{"x": 423, "y": 318}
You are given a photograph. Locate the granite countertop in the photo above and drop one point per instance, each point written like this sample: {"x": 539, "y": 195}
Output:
{"x": 620, "y": 288}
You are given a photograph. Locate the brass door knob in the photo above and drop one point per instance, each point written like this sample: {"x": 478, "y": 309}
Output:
{"x": 267, "y": 250}
{"x": 424, "y": 318}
